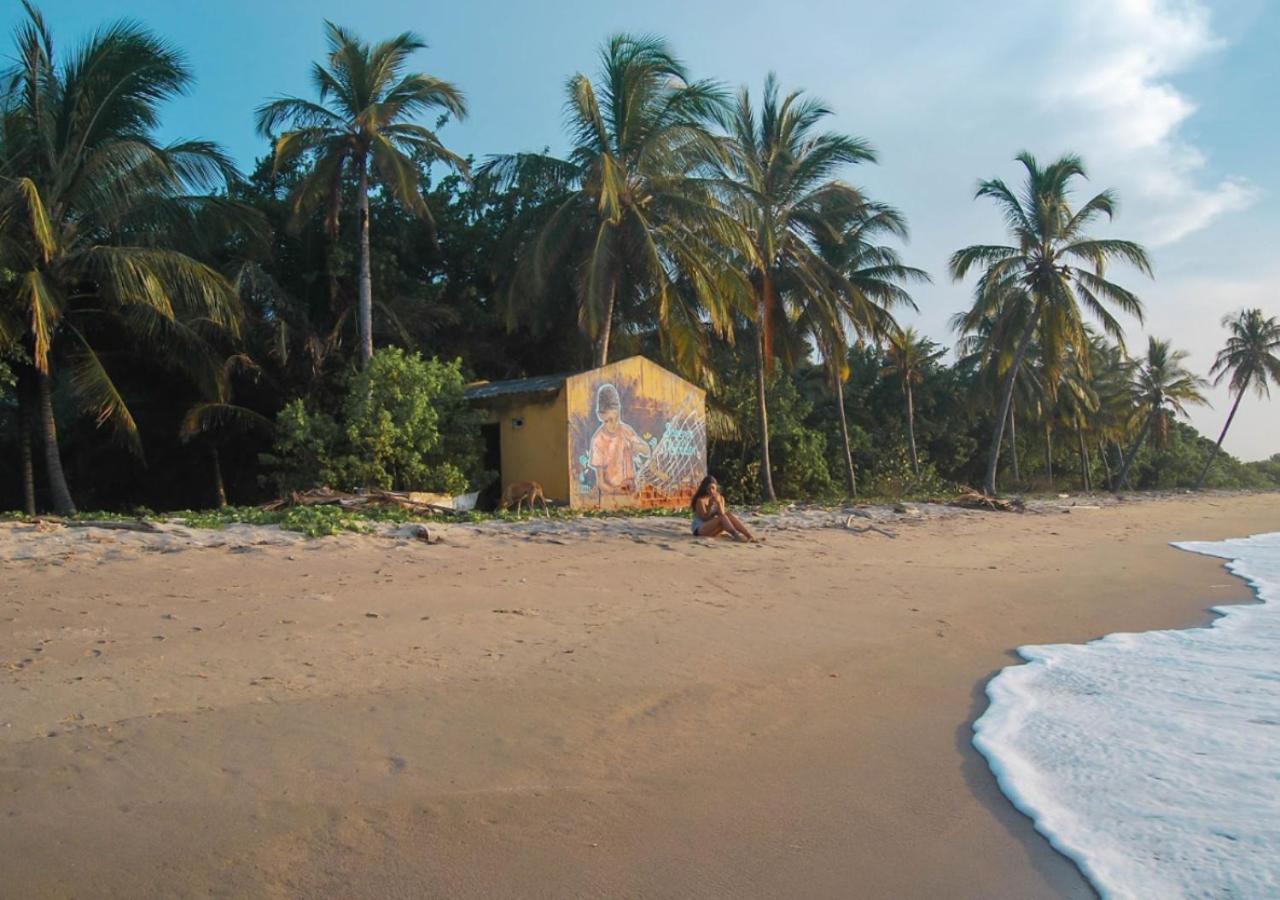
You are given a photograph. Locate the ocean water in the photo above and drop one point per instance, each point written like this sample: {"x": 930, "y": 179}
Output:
{"x": 1153, "y": 760}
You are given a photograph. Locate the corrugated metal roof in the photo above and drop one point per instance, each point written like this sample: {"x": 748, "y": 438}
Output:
{"x": 547, "y": 385}
{"x": 539, "y": 384}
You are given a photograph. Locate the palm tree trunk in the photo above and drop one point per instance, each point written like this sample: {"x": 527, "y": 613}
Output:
{"x": 1218, "y": 446}
{"x": 766, "y": 469}
{"x": 26, "y": 463}
{"x": 1048, "y": 452}
{"x": 1013, "y": 442}
{"x": 1084, "y": 461}
{"x": 850, "y": 476}
{"x": 1006, "y": 400}
{"x": 60, "y": 495}
{"x": 219, "y": 488}
{"x": 911, "y": 431}
{"x": 1129, "y": 457}
{"x": 365, "y": 300}
{"x": 602, "y": 343}
{"x": 1106, "y": 463}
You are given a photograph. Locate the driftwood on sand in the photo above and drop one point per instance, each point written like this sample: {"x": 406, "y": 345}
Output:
{"x": 863, "y": 529}
{"x": 411, "y": 501}
{"x": 971, "y": 499}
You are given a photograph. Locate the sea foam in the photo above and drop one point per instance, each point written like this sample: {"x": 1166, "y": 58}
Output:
{"x": 1153, "y": 760}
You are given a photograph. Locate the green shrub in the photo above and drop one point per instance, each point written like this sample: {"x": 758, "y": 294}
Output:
{"x": 801, "y": 468}
{"x": 893, "y": 476}
{"x": 403, "y": 425}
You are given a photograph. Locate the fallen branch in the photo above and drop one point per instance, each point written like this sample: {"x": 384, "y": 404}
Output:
{"x": 971, "y": 499}
{"x": 863, "y": 529}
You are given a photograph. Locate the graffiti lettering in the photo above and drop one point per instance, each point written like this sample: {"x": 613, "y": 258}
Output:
{"x": 679, "y": 441}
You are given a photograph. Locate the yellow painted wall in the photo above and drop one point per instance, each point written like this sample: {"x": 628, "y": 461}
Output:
{"x": 654, "y": 454}
{"x": 537, "y": 451}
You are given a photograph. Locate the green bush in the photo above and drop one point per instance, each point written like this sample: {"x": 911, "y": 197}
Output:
{"x": 403, "y": 425}
{"x": 894, "y": 477}
{"x": 1267, "y": 470}
{"x": 801, "y": 468}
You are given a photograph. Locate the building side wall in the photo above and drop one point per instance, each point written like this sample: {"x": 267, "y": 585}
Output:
{"x": 652, "y": 453}
{"x": 536, "y": 450}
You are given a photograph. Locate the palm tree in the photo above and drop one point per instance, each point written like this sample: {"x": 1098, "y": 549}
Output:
{"x": 89, "y": 204}
{"x": 364, "y": 114}
{"x": 985, "y": 348}
{"x": 215, "y": 413}
{"x": 631, "y": 221}
{"x": 1162, "y": 388}
{"x": 908, "y": 357}
{"x": 1109, "y": 376}
{"x": 875, "y": 275}
{"x": 787, "y": 194}
{"x": 1042, "y": 277}
{"x": 1074, "y": 402}
{"x": 1252, "y": 359}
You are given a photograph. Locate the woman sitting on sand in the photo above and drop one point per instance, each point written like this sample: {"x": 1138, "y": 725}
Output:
{"x": 711, "y": 514}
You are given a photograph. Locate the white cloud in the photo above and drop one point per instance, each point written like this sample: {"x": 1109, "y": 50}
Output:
{"x": 1109, "y": 85}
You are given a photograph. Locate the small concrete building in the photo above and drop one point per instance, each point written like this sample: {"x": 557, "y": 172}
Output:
{"x": 626, "y": 435}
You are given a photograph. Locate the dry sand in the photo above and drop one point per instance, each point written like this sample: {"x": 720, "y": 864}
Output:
{"x": 593, "y": 709}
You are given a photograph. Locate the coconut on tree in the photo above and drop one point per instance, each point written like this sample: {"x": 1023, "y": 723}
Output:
{"x": 362, "y": 126}
{"x": 1249, "y": 361}
{"x": 1051, "y": 274}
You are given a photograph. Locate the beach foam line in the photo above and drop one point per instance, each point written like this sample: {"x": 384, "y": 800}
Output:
{"x": 1152, "y": 760}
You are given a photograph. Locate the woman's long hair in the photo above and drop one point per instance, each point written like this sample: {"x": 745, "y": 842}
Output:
{"x": 702, "y": 491}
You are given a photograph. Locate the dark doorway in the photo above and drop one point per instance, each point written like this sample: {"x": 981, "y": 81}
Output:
{"x": 491, "y": 496}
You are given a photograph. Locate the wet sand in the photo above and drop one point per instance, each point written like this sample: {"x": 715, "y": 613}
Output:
{"x": 557, "y": 712}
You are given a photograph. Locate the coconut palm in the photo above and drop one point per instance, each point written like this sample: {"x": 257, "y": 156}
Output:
{"x": 215, "y": 414}
{"x": 908, "y": 357}
{"x": 630, "y": 219}
{"x": 1070, "y": 406}
{"x": 1108, "y": 376}
{"x": 1251, "y": 359}
{"x": 875, "y": 276}
{"x": 364, "y": 114}
{"x": 90, "y": 203}
{"x": 985, "y": 348}
{"x": 1162, "y": 389}
{"x": 1051, "y": 273}
{"x": 788, "y": 195}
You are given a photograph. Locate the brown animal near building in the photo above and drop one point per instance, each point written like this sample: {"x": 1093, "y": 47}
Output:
{"x": 521, "y": 492}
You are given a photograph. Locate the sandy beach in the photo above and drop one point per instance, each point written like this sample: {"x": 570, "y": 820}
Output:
{"x": 604, "y": 708}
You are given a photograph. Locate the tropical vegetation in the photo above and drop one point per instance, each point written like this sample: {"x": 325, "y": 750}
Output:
{"x": 1249, "y": 361}
{"x": 177, "y": 334}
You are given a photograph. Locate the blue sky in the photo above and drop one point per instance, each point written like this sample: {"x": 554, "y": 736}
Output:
{"x": 1171, "y": 102}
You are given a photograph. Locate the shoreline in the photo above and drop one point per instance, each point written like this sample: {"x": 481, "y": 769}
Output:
{"x": 1077, "y": 729}
{"x": 787, "y": 716}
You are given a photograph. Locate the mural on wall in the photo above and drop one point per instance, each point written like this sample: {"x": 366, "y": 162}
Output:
{"x": 615, "y": 447}
{"x": 635, "y": 442}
